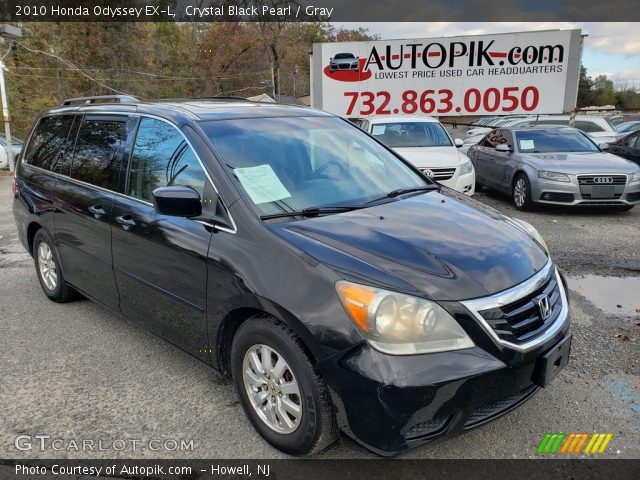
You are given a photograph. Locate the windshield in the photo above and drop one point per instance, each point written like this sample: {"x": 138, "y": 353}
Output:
{"x": 411, "y": 134}
{"x": 344, "y": 56}
{"x": 547, "y": 141}
{"x": 294, "y": 163}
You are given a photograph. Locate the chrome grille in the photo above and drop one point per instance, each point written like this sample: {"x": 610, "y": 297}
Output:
{"x": 439, "y": 173}
{"x": 521, "y": 320}
{"x": 591, "y": 179}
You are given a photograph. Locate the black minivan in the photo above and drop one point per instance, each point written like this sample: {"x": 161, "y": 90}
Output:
{"x": 336, "y": 284}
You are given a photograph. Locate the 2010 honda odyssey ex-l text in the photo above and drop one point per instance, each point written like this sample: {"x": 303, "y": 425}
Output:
{"x": 336, "y": 284}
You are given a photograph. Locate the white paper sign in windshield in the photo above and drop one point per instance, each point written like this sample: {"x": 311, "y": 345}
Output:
{"x": 262, "y": 184}
{"x": 512, "y": 73}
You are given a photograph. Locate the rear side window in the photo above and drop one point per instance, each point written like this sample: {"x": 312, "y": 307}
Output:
{"x": 96, "y": 159}
{"x": 588, "y": 127}
{"x": 161, "y": 157}
{"x": 51, "y": 144}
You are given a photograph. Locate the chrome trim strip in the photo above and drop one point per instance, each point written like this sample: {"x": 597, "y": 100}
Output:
{"x": 516, "y": 293}
{"x": 133, "y": 114}
{"x": 512, "y": 294}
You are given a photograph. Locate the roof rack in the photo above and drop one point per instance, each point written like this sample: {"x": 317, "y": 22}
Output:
{"x": 220, "y": 97}
{"x": 99, "y": 99}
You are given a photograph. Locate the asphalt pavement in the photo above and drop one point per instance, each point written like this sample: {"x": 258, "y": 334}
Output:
{"x": 77, "y": 372}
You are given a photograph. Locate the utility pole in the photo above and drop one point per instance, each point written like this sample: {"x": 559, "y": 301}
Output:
{"x": 7, "y": 31}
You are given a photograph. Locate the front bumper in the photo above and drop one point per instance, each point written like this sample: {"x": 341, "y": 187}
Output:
{"x": 572, "y": 193}
{"x": 392, "y": 403}
{"x": 462, "y": 183}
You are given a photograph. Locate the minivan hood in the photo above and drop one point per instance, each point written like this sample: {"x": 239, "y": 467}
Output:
{"x": 442, "y": 245}
{"x": 576, "y": 163}
{"x": 431, "y": 157}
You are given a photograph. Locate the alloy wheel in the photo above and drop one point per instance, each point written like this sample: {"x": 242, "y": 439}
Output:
{"x": 520, "y": 192}
{"x": 272, "y": 388}
{"x": 47, "y": 266}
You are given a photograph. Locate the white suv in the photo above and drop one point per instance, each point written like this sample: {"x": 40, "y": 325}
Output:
{"x": 425, "y": 143}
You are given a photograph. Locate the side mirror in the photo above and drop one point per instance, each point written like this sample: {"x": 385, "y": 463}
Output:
{"x": 458, "y": 142}
{"x": 178, "y": 201}
{"x": 604, "y": 146}
{"x": 502, "y": 148}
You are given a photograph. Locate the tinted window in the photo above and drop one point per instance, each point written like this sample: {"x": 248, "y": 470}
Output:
{"x": 96, "y": 158}
{"x": 588, "y": 126}
{"x": 161, "y": 157}
{"x": 632, "y": 141}
{"x": 50, "y": 146}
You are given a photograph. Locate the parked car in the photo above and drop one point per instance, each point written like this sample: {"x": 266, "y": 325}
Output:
{"x": 473, "y": 140}
{"x": 425, "y": 143}
{"x": 556, "y": 165}
{"x": 627, "y": 147}
{"x": 16, "y": 147}
{"x": 336, "y": 284}
{"x": 489, "y": 125}
{"x": 628, "y": 127}
{"x": 597, "y": 127}
{"x": 343, "y": 61}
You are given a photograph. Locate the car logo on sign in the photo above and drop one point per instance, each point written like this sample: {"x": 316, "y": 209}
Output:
{"x": 544, "y": 306}
{"x": 602, "y": 180}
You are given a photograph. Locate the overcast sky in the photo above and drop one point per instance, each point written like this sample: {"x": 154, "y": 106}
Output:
{"x": 612, "y": 49}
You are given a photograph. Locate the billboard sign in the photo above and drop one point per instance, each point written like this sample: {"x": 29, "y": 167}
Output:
{"x": 511, "y": 73}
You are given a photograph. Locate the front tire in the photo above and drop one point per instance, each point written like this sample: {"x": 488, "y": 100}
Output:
{"x": 47, "y": 262}
{"x": 522, "y": 193}
{"x": 280, "y": 389}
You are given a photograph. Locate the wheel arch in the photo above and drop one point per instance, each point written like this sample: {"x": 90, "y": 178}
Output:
{"x": 32, "y": 229}
{"x": 232, "y": 321}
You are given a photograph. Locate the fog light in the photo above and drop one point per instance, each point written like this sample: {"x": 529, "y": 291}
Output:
{"x": 546, "y": 196}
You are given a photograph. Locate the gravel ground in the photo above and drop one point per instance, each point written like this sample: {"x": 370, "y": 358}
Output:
{"x": 78, "y": 371}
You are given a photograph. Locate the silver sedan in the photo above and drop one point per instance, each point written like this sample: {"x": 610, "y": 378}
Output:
{"x": 554, "y": 165}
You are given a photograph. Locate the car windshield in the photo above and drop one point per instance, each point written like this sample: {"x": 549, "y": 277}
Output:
{"x": 411, "y": 134}
{"x": 341, "y": 56}
{"x": 290, "y": 164}
{"x": 548, "y": 141}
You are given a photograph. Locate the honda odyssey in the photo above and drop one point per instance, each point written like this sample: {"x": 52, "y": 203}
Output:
{"x": 337, "y": 285}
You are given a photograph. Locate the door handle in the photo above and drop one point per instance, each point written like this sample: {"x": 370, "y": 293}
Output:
{"x": 126, "y": 221}
{"x": 97, "y": 211}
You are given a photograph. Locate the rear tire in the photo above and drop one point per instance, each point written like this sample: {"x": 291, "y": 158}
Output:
{"x": 522, "y": 193}
{"x": 297, "y": 418}
{"x": 47, "y": 263}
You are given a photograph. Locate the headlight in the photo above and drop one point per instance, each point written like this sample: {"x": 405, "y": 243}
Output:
{"x": 554, "y": 176}
{"x": 531, "y": 230}
{"x": 466, "y": 167}
{"x": 400, "y": 324}
{"x": 635, "y": 178}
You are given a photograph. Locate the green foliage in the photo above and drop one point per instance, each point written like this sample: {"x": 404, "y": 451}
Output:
{"x": 601, "y": 91}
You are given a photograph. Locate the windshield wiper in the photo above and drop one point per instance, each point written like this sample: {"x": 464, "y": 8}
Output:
{"x": 312, "y": 211}
{"x": 402, "y": 191}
